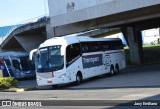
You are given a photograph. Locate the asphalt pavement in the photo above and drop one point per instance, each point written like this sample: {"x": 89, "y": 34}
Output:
{"x": 133, "y": 83}
{"x": 132, "y": 77}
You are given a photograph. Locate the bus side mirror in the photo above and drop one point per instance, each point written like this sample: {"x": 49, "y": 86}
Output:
{"x": 32, "y": 53}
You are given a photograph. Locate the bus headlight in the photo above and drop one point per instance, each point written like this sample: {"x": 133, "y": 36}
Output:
{"x": 39, "y": 79}
{"x": 22, "y": 73}
{"x": 17, "y": 74}
{"x": 63, "y": 75}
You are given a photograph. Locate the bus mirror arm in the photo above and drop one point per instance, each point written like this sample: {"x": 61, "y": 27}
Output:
{"x": 32, "y": 52}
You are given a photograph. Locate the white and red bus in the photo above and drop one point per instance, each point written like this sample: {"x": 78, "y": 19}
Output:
{"x": 67, "y": 59}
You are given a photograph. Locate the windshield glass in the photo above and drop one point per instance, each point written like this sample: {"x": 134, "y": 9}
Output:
{"x": 26, "y": 63}
{"x": 49, "y": 59}
{"x": 16, "y": 64}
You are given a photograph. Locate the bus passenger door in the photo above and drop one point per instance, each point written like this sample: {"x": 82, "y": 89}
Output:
{"x": 70, "y": 71}
{"x": 73, "y": 53}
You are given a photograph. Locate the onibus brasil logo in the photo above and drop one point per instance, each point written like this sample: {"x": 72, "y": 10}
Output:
{"x": 21, "y": 103}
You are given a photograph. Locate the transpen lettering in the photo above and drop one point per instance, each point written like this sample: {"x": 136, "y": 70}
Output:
{"x": 91, "y": 60}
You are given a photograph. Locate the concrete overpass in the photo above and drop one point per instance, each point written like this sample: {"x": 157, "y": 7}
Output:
{"x": 132, "y": 16}
{"x": 27, "y": 37}
{"x": 104, "y": 13}
{"x": 68, "y": 17}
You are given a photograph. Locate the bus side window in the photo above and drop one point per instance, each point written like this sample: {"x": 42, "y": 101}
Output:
{"x": 16, "y": 64}
{"x": 7, "y": 61}
{"x": 117, "y": 45}
{"x": 105, "y": 45}
{"x": 97, "y": 46}
{"x": 72, "y": 52}
{"x": 112, "y": 45}
{"x": 1, "y": 62}
{"x": 87, "y": 47}
{"x": 120, "y": 44}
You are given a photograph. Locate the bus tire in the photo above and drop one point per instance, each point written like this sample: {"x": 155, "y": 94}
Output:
{"x": 54, "y": 86}
{"x": 111, "y": 70}
{"x": 117, "y": 69}
{"x": 79, "y": 78}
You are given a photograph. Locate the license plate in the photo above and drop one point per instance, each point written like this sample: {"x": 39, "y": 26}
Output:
{"x": 49, "y": 81}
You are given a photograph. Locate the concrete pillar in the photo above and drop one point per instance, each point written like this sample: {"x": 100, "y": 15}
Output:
{"x": 29, "y": 42}
{"x": 49, "y": 30}
{"x": 134, "y": 39}
{"x": 124, "y": 31}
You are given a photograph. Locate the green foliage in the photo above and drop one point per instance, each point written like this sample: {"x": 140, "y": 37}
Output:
{"x": 8, "y": 82}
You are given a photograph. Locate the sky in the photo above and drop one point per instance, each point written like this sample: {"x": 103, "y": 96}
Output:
{"x": 14, "y": 12}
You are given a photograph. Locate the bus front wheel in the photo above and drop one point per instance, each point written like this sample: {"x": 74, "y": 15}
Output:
{"x": 112, "y": 70}
{"x": 54, "y": 86}
{"x": 78, "y": 78}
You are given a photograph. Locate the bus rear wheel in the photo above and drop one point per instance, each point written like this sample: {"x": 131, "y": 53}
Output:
{"x": 117, "y": 69}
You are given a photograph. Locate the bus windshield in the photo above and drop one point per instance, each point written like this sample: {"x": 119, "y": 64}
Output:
{"x": 49, "y": 59}
{"x": 26, "y": 63}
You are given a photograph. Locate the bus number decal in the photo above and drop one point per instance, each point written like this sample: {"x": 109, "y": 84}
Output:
{"x": 107, "y": 60}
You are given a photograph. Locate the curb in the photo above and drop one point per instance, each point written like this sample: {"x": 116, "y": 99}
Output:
{"x": 19, "y": 89}
{"x": 30, "y": 88}
{"x": 132, "y": 66}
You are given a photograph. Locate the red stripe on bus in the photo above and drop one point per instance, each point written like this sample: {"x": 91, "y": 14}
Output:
{"x": 93, "y": 55}
{"x": 113, "y": 52}
{"x": 106, "y": 53}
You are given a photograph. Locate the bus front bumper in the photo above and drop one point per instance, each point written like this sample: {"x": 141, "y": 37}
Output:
{"x": 50, "y": 81}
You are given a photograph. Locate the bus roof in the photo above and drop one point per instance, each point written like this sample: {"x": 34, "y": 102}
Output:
{"x": 66, "y": 40}
{"x": 87, "y": 38}
{"x": 13, "y": 53}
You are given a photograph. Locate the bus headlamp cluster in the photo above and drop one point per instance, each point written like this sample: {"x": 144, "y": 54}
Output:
{"x": 63, "y": 75}
{"x": 22, "y": 73}
{"x": 17, "y": 74}
{"x": 39, "y": 79}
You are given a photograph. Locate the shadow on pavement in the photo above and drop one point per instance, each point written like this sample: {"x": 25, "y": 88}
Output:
{"x": 152, "y": 102}
{"x": 145, "y": 76}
